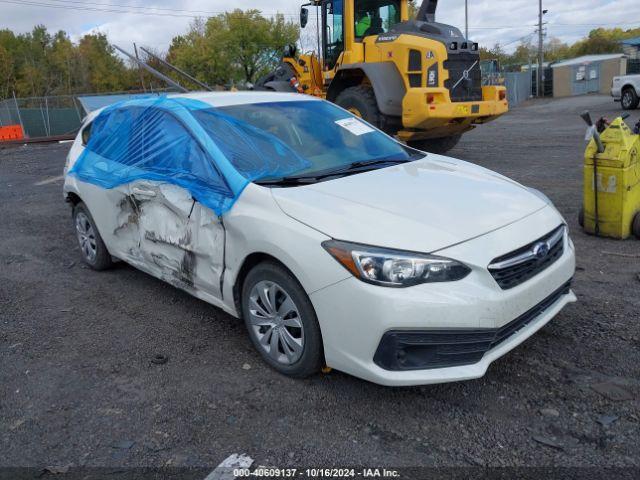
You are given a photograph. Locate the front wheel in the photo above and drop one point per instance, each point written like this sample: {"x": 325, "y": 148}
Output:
{"x": 629, "y": 99}
{"x": 361, "y": 102}
{"x": 436, "y": 145}
{"x": 281, "y": 321}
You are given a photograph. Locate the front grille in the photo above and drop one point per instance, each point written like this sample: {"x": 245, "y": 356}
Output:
{"x": 522, "y": 264}
{"x": 464, "y": 89}
{"x": 417, "y": 350}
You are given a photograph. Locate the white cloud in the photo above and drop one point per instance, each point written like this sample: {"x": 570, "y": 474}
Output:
{"x": 518, "y": 17}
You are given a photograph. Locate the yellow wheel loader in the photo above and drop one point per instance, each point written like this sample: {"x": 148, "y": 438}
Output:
{"x": 416, "y": 79}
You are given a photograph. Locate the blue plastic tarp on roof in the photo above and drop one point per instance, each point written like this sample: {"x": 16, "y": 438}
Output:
{"x": 183, "y": 142}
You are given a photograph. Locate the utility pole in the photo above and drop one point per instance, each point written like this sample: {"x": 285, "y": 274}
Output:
{"x": 539, "y": 88}
{"x": 466, "y": 19}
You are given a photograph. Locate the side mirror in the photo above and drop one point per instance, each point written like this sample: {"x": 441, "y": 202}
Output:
{"x": 304, "y": 17}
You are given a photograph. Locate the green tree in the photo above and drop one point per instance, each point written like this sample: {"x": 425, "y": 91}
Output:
{"x": 101, "y": 69}
{"x": 6, "y": 72}
{"x": 234, "y": 46}
{"x": 413, "y": 9}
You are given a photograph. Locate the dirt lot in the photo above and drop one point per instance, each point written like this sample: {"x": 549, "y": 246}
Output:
{"x": 77, "y": 385}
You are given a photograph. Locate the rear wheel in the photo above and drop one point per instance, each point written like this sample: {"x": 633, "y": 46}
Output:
{"x": 629, "y": 99}
{"x": 281, "y": 321}
{"x": 361, "y": 101}
{"x": 93, "y": 250}
{"x": 436, "y": 145}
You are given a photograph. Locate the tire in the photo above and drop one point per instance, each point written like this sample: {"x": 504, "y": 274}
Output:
{"x": 635, "y": 226}
{"x": 300, "y": 326}
{"x": 629, "y": 100}
{"x": 361, "y": 101}
{"x": 436, "y": 145}
{"x": 581, "y": 217}
{"x": 92, "y": 248}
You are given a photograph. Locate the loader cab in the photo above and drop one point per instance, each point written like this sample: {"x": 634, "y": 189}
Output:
{"x": 346, "y": 23}
{"x": 373, "y": 17}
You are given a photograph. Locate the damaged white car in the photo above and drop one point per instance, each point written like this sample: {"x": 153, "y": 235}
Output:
{"x": 336, "y": 244}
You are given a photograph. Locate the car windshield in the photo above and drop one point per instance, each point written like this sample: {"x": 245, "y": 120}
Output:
{"x": 323, "y": 137}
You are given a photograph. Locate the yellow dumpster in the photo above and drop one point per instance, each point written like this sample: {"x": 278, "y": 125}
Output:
{"x": 611, "y": 194}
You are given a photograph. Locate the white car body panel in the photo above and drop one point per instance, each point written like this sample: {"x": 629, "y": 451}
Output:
{"x": 624, "y": 81}
{"x": 424, "y": 205}
{"x": 352, "y": 307}
{"x": 436, "y": 204}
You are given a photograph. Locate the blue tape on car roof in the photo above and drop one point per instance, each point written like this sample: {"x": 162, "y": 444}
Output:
{"x": 185, "y": 142}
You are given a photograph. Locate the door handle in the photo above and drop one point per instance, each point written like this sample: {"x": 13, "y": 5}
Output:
{"x": 143, "y": 192}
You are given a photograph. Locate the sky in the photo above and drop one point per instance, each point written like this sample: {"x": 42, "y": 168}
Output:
{"x": 158, "y": 21}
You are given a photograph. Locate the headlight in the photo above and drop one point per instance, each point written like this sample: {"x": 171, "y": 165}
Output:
{"x": 394, "y": 268}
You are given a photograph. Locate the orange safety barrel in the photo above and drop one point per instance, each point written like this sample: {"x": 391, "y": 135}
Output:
{"x": 11, "y": 132}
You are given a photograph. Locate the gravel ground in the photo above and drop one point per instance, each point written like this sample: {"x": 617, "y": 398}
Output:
{"x": 77, "y": 385}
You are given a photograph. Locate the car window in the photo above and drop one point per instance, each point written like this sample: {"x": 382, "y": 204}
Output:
{"x": 322, "y": 135}
{"x": 373, "y": 17}
{"x": 137, "y": 142}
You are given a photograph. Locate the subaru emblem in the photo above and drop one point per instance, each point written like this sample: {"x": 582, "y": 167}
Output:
{"x": 541, "y": 249}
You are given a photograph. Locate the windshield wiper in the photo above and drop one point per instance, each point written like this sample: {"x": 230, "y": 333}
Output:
{"x": 378, "y": 161}
{"x": 354, "y": 167}
{"x": 287, "y": 181}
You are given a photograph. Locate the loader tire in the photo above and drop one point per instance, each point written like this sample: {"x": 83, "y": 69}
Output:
{"x": 635, "y": 226}
{"x": 581, "y": 217}
{"x": 361, "y": 101}
{"x": 436, "y": 145}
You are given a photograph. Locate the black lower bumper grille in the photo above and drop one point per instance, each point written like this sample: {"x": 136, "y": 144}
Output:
{"x": 511, "y": 276}
{"x": 427, "y": 349}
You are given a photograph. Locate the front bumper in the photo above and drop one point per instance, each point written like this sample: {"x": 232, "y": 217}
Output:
{"x": 355, "y": 316}
{"x": 420, "y": 115}
{"x": 421, "y": 349}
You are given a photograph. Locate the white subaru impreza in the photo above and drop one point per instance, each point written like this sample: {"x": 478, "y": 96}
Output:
{"x": 336, "y": 244}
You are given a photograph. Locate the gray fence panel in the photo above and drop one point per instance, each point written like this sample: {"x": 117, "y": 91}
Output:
{"x": 518, "y": 87}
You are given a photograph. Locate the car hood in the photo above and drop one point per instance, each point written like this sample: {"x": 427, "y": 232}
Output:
{"x": 425, "y": 205}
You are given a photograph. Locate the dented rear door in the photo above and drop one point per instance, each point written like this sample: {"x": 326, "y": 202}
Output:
{"x": 181, "y": 241}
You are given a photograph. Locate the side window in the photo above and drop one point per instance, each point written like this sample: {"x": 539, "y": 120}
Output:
{"x": 334, "y": 35}
{"x": 374, "y": 18}
{"x": 161, "y": 144}
{"x": 86, "y": 134}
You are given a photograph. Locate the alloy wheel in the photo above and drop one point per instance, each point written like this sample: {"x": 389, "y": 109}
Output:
{"x": 86, "y": 237}
{"x": 275, "y": 322}
{"x": 627, "y": 98}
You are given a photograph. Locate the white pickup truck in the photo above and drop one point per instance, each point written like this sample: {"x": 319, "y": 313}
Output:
{"x": 626, "y": 90}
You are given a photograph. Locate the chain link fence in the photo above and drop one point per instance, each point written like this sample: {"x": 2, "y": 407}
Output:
{"x": 43, "y": 116}
{"x": 56, "y": 116}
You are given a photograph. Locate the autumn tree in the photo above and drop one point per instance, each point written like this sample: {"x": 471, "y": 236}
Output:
{"x": 234, "y": 46}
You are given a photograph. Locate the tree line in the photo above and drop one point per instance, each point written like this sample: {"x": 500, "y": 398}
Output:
{"x": 598, "y": 41}
{"x": 229, "y": 49}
